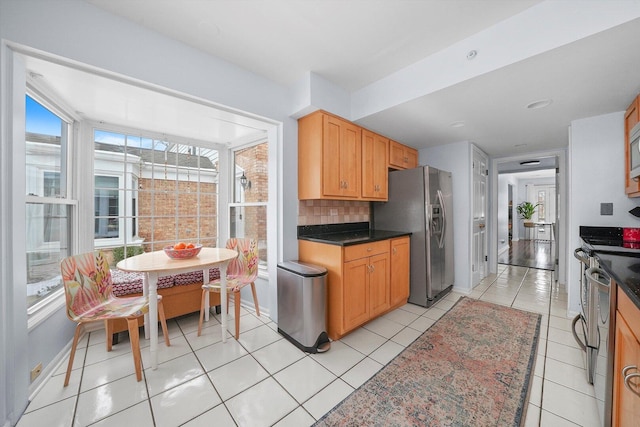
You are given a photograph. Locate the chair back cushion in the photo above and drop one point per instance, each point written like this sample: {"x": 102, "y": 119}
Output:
{"x": 87, "y": 282}
{"x": 245, "y": 266}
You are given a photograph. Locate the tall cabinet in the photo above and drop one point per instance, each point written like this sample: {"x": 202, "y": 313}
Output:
{"x": 631, "y": 118}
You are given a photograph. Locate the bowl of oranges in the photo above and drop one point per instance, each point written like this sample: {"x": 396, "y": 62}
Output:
{"x": 182, "y": 250}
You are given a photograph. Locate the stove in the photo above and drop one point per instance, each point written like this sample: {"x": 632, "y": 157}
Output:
{"x": 597, "y": 317}
{"x": 610, "y": 239}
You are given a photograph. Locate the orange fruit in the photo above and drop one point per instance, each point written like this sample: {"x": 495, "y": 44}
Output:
{"x": 190, "y": 246}
{"x": 179, "y": 246}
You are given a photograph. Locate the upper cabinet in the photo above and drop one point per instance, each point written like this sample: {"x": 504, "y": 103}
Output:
{"x": 401, "y": 156}
{"x": 329, "y": 158}
{"x": 375, "y": 158}
{"x": 631, "y": 118}
{"x": 339, "y": 160}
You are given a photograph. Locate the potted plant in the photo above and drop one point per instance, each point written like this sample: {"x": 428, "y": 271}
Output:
{"x": 526, "y": 210}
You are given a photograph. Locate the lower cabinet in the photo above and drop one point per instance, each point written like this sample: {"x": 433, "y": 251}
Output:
{"x": 359, "y": 280}
{"x": 626, "y": 378}
{"x": 399, "y": 271}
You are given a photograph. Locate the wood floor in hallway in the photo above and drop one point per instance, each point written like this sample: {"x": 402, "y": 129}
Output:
{"x": 529, "y": 253}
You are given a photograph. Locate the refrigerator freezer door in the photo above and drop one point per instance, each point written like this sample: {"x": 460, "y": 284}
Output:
{"x": 446, "y": 189}
{"x": 419, "y": 202}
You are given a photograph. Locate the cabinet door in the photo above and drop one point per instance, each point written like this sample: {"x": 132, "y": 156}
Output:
{"x": 332, "y": 184}
{"x": 401, "y": 156}
{"x": 411, "y": 158}
{"x": 341, "y": 158}
{"x": 399, "y": 281}
{"x": 379, "y": 283}
{"x": 351, "y": 160}
{"x": 375, "y": 151}
{"x": 356, "y": 293}
{"x": 631, "y": 118}
{"x": 396, "y": 155}
{"x": 626, "y": 404}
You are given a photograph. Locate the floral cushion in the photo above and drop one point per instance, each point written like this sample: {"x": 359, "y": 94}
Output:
{"x": 125, "y": 283}
{"x": 195, "y": 276}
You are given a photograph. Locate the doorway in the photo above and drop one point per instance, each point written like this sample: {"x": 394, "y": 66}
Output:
{"x": 538, "y": 179}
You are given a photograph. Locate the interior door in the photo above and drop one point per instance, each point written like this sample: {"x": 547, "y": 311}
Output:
{"x": 479, "y": 228}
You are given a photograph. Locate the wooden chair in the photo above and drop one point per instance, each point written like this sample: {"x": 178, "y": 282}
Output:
{"x": 241, "y": 271}
{"x": 89, "y": 298}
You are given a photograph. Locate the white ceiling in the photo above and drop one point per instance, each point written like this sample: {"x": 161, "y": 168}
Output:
{"x": 356, "y": 43}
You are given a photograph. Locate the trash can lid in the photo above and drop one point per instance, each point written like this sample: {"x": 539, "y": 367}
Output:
{"x": 303, "y": 269}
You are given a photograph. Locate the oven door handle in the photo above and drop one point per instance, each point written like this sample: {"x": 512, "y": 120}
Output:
{"x": 581, "y": 256}
{"x": 594, "y": 274}
{"x": 579, "y": 318}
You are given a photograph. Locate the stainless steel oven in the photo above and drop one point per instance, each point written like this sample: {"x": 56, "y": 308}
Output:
{"x": 597, "y": 317}
{"x": 584, "y": 325}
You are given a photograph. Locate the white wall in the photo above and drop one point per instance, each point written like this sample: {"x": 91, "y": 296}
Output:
{"x": 456, "y": 158}
{"x": 596, "y": 158}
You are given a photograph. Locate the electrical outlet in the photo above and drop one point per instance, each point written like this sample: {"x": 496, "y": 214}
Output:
{"x": 35, "y": 372}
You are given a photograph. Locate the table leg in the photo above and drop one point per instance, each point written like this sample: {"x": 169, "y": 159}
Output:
{"x": 145, "y": 293}
{"x": 205, "y": 280}
{"x": 153, "y": 318}
{"x": 223, "y": 299}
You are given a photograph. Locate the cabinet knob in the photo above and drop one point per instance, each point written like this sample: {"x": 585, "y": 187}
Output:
{"x": 395, "y": 251}
{"x": 369, "y": 249}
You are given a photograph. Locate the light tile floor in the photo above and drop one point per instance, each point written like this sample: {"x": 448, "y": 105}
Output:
{"x": 263, "y": 380}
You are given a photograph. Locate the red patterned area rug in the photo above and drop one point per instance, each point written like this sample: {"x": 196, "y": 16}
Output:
{"x": 471, "y": 368}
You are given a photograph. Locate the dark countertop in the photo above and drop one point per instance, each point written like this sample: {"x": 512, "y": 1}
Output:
{"x": 625, "y": 270}
{"x": 346, "y": 234}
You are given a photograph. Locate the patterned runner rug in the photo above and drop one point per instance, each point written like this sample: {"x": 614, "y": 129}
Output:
{"x": 471, "y": 368}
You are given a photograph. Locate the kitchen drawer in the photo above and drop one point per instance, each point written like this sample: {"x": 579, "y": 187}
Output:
{"x": 365, "y": 250}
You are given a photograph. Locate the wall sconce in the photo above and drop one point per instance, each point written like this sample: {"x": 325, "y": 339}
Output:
{"x": 244, "y": 182}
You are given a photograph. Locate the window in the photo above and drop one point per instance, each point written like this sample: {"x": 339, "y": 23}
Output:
{"x": 106, "y": 204}
{"x": 49, "y": 208}
{"x": 150, "y": 193}
{"x": 542, "y": 198}
{"x": 248, "y": 211}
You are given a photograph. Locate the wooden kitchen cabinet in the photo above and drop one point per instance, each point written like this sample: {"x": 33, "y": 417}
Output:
{"x": 631, "y": 118}
{"x": 399, "y": 287}
{"x": 626, "y": 402}
{"x": 358, "y": 282}
{"x": 401, "y": 156}
{"x": 329, "y": 158}
{"x": 366, "y": 288}
{"x": 375, "y": 160}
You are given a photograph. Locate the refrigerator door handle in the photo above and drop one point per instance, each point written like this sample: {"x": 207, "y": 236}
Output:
{"x": 444, "y": 219}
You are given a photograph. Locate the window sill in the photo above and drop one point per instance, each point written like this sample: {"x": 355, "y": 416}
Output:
{"x": 55, "y": 303}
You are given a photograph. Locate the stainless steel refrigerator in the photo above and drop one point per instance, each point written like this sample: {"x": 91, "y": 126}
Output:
{"x": 420, "y": 201}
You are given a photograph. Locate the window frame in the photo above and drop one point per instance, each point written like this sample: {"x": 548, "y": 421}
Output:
{"x": 126, "y": 204}
{"x": 41, "y": 309}
{"x": 234, "y": 182}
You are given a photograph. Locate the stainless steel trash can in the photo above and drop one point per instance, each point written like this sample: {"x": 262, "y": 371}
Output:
{"x": 302, "y": 304}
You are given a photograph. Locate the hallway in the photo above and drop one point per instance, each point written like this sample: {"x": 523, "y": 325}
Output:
{"x": 530, "y": 253}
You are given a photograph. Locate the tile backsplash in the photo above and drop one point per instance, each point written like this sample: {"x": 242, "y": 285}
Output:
{"x": 315, "y": 212}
